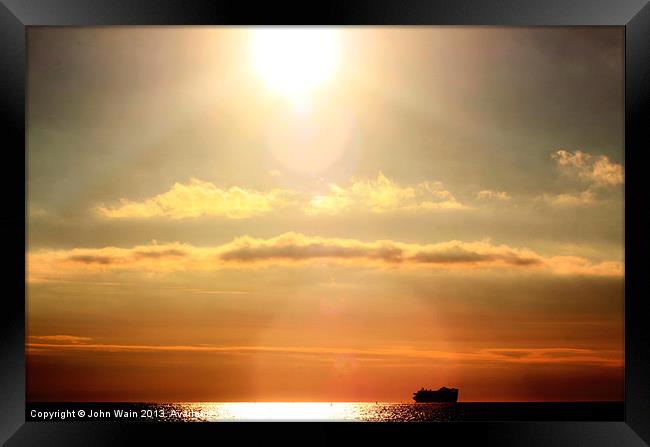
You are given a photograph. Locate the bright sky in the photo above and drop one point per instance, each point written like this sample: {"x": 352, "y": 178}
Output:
{"x": 330, "y": 214}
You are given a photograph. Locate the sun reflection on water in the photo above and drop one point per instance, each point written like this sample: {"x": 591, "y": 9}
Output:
{"x": 275, "y": 411}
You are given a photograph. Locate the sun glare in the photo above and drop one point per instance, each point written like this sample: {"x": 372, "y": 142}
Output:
{"x": 294, "y": 61}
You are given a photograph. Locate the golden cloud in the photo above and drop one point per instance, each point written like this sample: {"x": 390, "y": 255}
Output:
{"x": 575, "y": 265}
{"x": 60, "y": 338}
{"x": 290, "y": 249}
{"x": 199, "y": 198}
{"x": 382, "y": 195}
{"x": 498, "y": 355}
{"x": 570, "y": 199}
{"x": 487, "y": 194}
{"x": 597, "y": 170}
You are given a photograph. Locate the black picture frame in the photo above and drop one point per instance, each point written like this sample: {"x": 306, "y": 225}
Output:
{"x": 633, "y": 15}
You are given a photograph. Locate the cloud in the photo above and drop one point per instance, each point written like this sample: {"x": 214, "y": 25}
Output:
{"x": 496, "y": 356}
{"x": 61, "y": 338}
{"x": 199, "y": 291}
{"x": 382, "y": 195}
{"x": 486, "y": 194}
{"x": 199, "y": 198}
{"x": 575, "y": 265}
{"x": 570, "y": 199}
{"x": 140, "y": 253}
{"x": 292, "y": 249}
{"x": 92, "y": 259}
{"x": 34, "y": 212}
{"x": 596, "y": 170}
{"x": 298, "y": 247}
{"x": 162, "y": 253}
{"x": 459, "y": 255}
{"x": 49, "y": 265}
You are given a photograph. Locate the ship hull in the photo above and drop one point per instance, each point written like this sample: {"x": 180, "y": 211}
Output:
{"x": 444, "y": 395}
{"x": 435, "y": 399}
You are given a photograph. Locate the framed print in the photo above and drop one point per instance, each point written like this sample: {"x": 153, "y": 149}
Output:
{"x": 373, "y": 220}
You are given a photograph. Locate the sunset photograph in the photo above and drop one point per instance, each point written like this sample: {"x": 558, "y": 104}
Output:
{"x": 405, "y": 224}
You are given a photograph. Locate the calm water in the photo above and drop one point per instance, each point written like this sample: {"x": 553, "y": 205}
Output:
{"x": 325, "y": 411}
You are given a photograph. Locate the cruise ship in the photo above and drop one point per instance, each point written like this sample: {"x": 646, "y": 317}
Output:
{"x": 443, "y": 394}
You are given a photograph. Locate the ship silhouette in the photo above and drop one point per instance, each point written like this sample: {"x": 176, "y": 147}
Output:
{"x": 443, "y": 394}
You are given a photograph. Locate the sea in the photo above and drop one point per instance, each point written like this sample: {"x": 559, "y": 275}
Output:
{"x": 324, "y": 411}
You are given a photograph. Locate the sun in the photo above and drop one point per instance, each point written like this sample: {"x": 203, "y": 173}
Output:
{"x": 294, "y": 61}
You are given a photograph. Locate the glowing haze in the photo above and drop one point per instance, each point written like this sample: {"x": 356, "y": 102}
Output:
{"x": 319, "y": 214}
{"x": 294, "y": 61}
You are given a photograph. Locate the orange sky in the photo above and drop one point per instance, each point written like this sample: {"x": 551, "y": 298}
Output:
{"x": 331, "y": 215}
